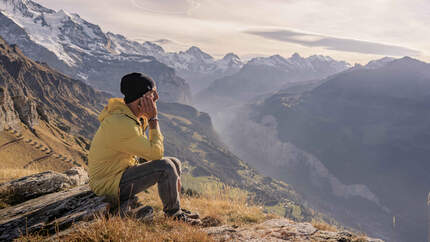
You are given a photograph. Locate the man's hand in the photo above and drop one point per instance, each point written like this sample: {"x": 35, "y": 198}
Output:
{"x": 156, "y": 96}
{"x": 149, "y": 107}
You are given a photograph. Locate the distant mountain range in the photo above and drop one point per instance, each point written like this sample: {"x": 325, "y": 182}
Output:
{"x": 82, "y": 50}
{"x": 263, "y": 75}
{"x": 194, "y": 65}
{"x": 355, "y": 144}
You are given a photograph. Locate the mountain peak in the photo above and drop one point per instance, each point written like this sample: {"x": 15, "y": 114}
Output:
{"x": 63, "y": 14}
{"x": 25, "y": 7}
{"x": 197, "y": 52}
{"x": 409, "y": 63}
{"x": 231, "y": 56}
{"x": 296, "y": 56}
{"x": 194, "y": 49}
{"x": 277, "y": 57}
{"x": 230, "y": 61}
{"x": 407, "y": 59}
{"x": 153, "y": 46}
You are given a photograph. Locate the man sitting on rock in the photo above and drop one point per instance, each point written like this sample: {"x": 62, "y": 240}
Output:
{"x": 113, "y": 169}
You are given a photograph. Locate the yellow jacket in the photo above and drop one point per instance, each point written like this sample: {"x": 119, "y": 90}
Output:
{"x": 118, "y": 139}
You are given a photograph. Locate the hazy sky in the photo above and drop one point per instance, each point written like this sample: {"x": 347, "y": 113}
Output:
{"x": 352, "y": 30}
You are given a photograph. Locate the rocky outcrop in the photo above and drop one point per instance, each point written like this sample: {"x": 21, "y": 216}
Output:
{"x": 281, "y": 230}
{"x": 8, "y": 115}
{"x": 50, "y": 213}
{"x": 26, "y": 109}
{"x": 40, "y": 184}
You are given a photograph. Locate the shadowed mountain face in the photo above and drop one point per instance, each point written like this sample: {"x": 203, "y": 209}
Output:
{"x": 371, "y": 127}
{"x": 36, "y": 92}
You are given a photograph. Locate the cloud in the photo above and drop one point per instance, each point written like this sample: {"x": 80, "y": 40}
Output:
{"x": 169, "y": 7}
{"x": 333, "y": 43}
{"x": 163, "y": 41}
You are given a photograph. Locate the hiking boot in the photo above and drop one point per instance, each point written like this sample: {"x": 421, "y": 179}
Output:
{"x": 187, "y": 217}
{"x": 144, "y": 213}
{"x": 191, "y": 214}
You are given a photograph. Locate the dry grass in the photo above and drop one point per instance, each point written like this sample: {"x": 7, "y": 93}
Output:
{"x": 321, "y": 225}
{"x": 117, "y": 229}
{"x": 128, "y": 229}
{"x": 7, "y": 174}
{"x": 227, "y": 204}
{"x": 31, "y": 147}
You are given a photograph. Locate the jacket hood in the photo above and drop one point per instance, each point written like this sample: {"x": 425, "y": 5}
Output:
{"x": 116, "y": 105}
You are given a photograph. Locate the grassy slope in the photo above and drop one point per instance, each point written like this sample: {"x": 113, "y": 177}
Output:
{"x": 24, "y": 152}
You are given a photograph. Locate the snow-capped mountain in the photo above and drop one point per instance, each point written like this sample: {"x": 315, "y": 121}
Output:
{"x": 312, "y": 64}
{"x": 70, "y": 44}
{"x": 262, "y": 75}
{"x": 56, "y": 31}
{"x": 230, "y": 60}
{"x": 82, "y": 50}
{"x": 194, "y": 65}
{"x": 186, "y": 63}
{"x": 199, "y": 68}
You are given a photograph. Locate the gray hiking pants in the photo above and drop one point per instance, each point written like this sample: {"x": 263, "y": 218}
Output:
{"x": 164, "y": 172}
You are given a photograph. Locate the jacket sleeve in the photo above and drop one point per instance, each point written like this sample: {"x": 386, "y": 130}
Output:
{"x": 130, "y": 141}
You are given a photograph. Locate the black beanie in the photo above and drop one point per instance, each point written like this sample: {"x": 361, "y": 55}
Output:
{"x": 134, "y": 85}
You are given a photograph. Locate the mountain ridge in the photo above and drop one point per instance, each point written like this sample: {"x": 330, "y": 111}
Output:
{"x": 263, "y": 75}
